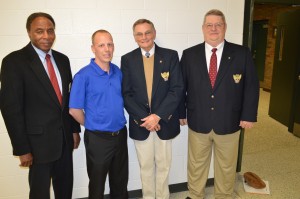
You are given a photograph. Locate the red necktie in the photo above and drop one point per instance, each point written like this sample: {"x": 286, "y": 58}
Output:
{"x": 53, "y": 78}
{"x": 213, "y": 67}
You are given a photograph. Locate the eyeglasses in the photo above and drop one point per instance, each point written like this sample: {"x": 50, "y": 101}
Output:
{"x": 140, "y": 35}
{"x": 216, "y": 25}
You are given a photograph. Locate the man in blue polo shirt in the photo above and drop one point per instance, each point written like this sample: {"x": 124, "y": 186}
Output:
{"x": 96, "y": 103}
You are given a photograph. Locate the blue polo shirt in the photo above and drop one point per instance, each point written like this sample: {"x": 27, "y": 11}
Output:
{"x": 99, "y": 95}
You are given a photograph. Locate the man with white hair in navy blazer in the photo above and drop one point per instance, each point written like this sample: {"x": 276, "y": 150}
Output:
{"x": 152, "y": 90}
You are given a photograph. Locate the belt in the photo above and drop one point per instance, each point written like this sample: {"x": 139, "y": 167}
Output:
{"x": 115, "y": 133}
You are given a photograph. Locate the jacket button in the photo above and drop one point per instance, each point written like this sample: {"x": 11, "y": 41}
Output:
{"x": 212, "y": 108}
{"x": 212, "y": 96}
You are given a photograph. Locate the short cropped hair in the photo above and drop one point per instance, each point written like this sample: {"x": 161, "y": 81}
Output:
{"x": 99, "y": 31}
{"x": 35, "y": 15}
{"x": 216, "y": 13}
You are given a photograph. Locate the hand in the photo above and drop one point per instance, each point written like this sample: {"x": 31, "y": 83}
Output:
{"x": 157, "y": 127}
{"x": 150, "y": 122}
{"x": 76, "y": 138}
{"x": 26, "y": 160}
{"x": 183, "y": 122}
{"x": 246, "y": 125}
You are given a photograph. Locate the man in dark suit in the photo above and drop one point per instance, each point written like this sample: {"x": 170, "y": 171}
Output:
{"x": 34, "y": 105}
{"x": 152, "y": 90}
{"x": 222, "y": 91}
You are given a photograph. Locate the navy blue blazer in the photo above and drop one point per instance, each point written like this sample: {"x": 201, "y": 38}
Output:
{"x": 34, "y": 118}
{"x": 233, "y": 98}
{"x": 166, "y": 92}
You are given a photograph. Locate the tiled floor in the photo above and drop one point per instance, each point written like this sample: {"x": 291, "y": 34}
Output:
{"x": 271, "y": 152}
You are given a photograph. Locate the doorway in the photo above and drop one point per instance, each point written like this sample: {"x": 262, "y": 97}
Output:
{"x": 259, "y": 46}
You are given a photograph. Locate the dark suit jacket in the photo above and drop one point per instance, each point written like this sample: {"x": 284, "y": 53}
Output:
{"x": 166, "y": 94}
{"x": 221, "y": 108}
{"x": 35, "y": 121}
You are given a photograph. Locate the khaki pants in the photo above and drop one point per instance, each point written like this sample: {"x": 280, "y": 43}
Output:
{"x": 200, "y": 148}
{"x": 154, "y": 157}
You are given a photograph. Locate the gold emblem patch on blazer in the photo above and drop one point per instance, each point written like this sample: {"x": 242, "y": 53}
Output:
{"x": 237, "y": 78}
{"x": 165, "y": 76}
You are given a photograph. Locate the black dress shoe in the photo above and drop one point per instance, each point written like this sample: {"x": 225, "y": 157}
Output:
{"x": 188, "y": 198}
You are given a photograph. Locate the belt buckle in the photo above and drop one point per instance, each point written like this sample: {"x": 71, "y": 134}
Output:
{"x": 115, "y": 133}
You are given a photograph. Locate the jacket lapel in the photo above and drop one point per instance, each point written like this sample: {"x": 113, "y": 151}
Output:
{"x": 38, "y": 68}
{"x": 63, "y": 75}
{"x": 158, "y": 67}
{"x": 224, "y": 64}
{"x": 202, "y": 62}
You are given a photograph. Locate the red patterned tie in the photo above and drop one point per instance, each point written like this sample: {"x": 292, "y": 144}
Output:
{"x": 53, "y": 78}
{"x": 213, "y": 67}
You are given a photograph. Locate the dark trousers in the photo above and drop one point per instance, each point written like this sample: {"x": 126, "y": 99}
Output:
{"x": 59, "y": 171}
{"x": 107, "y": 154}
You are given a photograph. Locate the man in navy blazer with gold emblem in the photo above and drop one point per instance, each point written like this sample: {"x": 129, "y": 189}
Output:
{"x": 152, "y": 90}
{"x": 217, "y": 108}
{"x": 42, "y": 132}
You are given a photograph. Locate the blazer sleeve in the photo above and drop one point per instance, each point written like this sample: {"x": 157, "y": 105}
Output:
{"x": 182, "y": 104}
{"x": 12, "y": 107}
{"x": 251, "y": 90}
{"x": 75, "y": 126}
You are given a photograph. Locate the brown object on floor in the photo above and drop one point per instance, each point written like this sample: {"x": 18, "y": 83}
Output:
{"x": 254, "y": 180}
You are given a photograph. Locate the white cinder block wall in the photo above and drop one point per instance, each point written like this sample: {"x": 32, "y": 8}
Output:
{"x": 178, "y": 24}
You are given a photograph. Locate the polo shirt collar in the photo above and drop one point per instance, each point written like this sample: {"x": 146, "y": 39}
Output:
{"x": 99, "y": 70}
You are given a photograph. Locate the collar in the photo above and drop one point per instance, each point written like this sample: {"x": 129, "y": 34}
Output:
{"x": 218, "y": 47}
{"x": 41, "y": 53}
{"x": 152, "y": 50}
{"x": 99, "y": 70}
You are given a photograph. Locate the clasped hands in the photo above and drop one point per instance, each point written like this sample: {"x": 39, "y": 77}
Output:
{"x": 151, "y": 122}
